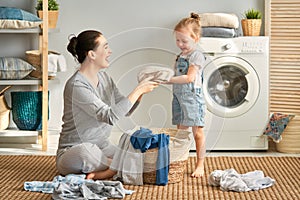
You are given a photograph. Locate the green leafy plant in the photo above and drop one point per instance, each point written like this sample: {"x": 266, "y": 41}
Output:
{"x": 52, "y": 5}
{"x": 252, "y": 14}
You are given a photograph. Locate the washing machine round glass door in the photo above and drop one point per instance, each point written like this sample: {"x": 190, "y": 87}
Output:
{"x": 231, "y": 86}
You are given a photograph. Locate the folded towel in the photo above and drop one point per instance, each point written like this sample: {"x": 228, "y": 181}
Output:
{"x": 152, "y": 73}
{"x": 219, "y": 19}
{"x": 56, "y": 62}
{"x": 157, "y": 74}
{"x": 221, "y": 32}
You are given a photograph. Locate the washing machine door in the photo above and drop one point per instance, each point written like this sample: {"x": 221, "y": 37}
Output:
{"x": 231, "y": 86}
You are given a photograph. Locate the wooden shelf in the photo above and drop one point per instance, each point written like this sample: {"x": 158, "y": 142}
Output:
{"x": 22, "y": 31}
{"x": 15, "y": 136}
{"x": 29, "y": 30}
{"x": 21, "y": 82}
{"x": 39, "y": 137}
{"x": 27, "y": 82}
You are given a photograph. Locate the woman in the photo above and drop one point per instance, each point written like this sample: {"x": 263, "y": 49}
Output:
{"x": 92, "y": 104}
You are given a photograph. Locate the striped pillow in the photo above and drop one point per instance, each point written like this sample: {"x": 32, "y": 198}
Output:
{"x": 14, "y": 68}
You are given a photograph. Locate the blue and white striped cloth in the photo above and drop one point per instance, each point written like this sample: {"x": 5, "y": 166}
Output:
{"x": 75, "y": 186}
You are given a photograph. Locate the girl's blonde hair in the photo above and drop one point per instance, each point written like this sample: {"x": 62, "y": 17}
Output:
{"x": 192, "y": 23}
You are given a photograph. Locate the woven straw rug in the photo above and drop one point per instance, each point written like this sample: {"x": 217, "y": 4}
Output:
{"x": 15, "y": 170}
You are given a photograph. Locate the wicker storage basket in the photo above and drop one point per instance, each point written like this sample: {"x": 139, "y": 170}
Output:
{"x": 251, "y": 27}
{"x": 34, "y": 58}
{"x": 180, "y": 142}
{"x": 27, "y": 109}
{"x": 290, "y": 137}
{"x": 4, "y": 110}
{"x": 4, "y": 119}
{"x": 52, "y": 18}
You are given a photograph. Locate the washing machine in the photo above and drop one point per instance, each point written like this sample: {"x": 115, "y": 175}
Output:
{"x": 236, "y": 90}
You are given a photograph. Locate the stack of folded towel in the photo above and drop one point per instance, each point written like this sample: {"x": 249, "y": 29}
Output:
{"x": 222, "y": 25}
{"x": 56, "y": 63}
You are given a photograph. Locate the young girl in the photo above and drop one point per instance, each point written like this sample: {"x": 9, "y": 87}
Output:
{"x": 188, "y": 106}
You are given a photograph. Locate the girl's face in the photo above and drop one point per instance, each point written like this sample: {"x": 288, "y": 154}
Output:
{"x": 102, "y": 53}
{"x": 184, "y": 41}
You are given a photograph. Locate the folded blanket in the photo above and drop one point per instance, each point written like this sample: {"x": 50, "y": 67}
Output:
{"x": 219, "y": 19}
{"x": 221, "y": 32}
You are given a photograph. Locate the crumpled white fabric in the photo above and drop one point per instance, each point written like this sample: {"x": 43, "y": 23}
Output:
{"x": 128, "y": 161}
{"x": 230, "y": 180}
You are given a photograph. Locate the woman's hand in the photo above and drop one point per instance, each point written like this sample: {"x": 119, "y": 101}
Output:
{"x": 147, "y": 86}
{"x": 142, "y": 88}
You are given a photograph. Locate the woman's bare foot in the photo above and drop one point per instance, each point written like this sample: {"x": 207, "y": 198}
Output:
{"x": 101, "y": 175}
{"x": 199, "y": 172}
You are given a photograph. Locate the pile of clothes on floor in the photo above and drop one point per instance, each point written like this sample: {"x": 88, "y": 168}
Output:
{"x": 223, "y": 25}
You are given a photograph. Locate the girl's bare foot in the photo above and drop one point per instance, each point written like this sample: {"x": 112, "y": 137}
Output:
{"x": 199, "y": 172}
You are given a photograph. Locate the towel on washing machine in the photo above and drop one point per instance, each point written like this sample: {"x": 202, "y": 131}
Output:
{"x": 221, "y": 32}
{"x": 219, "y": 20}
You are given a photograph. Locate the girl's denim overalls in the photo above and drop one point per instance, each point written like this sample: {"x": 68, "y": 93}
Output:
{"x": 188, "y": 105}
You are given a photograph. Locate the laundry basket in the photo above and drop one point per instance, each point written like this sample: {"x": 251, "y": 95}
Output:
{"x": 34, "y": 58}
{"x": 4, "y": 110}
{"x": 180, "y": 142}
{"x": 27, "y": 109}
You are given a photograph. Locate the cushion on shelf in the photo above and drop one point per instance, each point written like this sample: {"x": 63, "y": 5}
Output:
{"x": 14, "y": 68}
{"x": 15, "y": 18}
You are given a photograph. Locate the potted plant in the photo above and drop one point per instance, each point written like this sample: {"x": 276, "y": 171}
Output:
{"x": 251, "y": 23}
{"x": 53, "y": 8}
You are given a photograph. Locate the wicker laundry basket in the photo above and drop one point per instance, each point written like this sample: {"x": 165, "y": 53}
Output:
{"x": 4, "y": 119}
{"x": 290, "y": 137}
{"x": 180, "y": 142}
{"x": 34, "y": 58}
{"x": 4, "y": 110}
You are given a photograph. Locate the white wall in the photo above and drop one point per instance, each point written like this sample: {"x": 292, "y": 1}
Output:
{"x": 139, "y": 33}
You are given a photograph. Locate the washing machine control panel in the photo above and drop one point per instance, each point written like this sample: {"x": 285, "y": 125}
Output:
{"x": 245, "y": 45}
{"x": 252, "y": 47}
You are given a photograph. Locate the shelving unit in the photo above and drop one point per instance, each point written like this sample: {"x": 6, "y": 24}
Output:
{"x": 42, "y": 84}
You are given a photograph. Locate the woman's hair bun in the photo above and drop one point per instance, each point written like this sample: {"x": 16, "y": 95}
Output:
{"x": 72, "y": 45}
